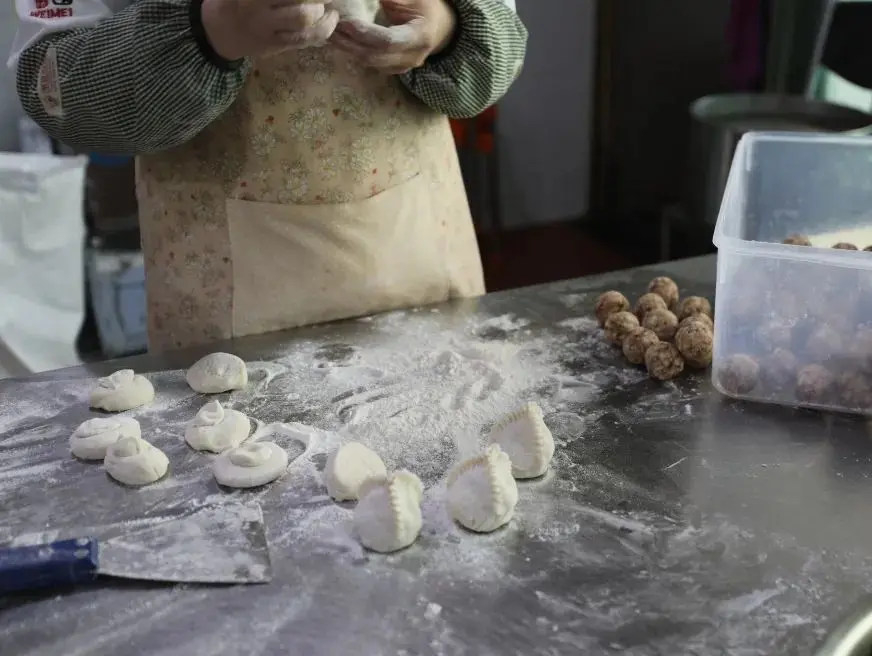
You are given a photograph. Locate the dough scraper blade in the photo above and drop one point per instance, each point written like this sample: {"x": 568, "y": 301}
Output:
{"x": 216, "y": 544}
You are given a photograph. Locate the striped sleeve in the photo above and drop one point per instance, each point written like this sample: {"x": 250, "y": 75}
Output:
{"x": 139, "y": 81}
{"x": 484, "y": 60}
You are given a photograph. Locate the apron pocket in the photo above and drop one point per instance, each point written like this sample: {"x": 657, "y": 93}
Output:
{"x": 295, "y": 265}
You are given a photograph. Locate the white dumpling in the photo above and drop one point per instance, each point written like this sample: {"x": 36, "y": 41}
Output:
{"x": 526, "y": 439}
{"x": 388, "y": 516}
{"x": 482, "y": 494}
{"x": 361, "y": 10}
{"x": 91, "y": 439}
{"x": 216, "y": 373}
{"x": 133, "y": 461}
{"x": 123, "y": 390}
{"x": 348, "y": 467}
{"x": 250, "y": 465}
{"x": 216, "y": 428}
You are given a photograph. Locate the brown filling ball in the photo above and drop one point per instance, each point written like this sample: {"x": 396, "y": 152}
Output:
{"x": 694, "y": 305}
{"x": 666, "y": 289}
{"x": 663, "y": 361}
{"x": 694, "y": 342}
{"x": 778, "y": 369}
{"x": 698, "y": 318}
{"x": 844, "y": 246}
{"x": 855, "y": 391}
{"x": 798, "y": 240}
{"x": 739, "y": 374}
{"x": 648, "y": 303}
{"x": 814, "y": 384}
{"x": 608, "y": 303}
{"x": 823, "y": 344}
{"x": 637, "y": 343}
{"x": 663, "y": 323}
{"x": 774, "y": 334}
{"x": 619, "y": 325}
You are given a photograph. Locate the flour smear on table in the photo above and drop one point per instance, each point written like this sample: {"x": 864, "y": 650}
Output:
{"x": 421, "y": 390}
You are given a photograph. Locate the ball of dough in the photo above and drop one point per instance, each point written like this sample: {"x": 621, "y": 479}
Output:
{"x": 217, "y": 429}
{"x": 663, "y": 361}
{"x": 798, "y": 240}
{"x": 844, "y": 246}
{"x": 824, "y": 343}
{"x": 348, "y": 467}
{"x": 526, "y": 439}
{"x": 694, "y": 305}
{"x": 648, "y": 303}
{"x": 619, "y": 325}
{"x": 637, "y": 343}
{"x": 133, "y": 461}
{"x": 695, "y": 342}
{"x": 775, "y": 334}
{"x": 662, "y": 323}
{"x": 250, "y": 465}
{"x": 388, "y": 516}
{"x": 698, "y": 318}
{"x": 815, "y": 384}
{"x": 93, "y": 437}
{"x": 482, "y": 494}
{"x": 123, "y": 390}
{"x": 608, "y": 304}
{"x": 739, "y": 374}
{"x": 855, "y": 391}
{"x": 778, "y": 369}
{"x": 666, "y": 288}
{"x": 216, "y": 373}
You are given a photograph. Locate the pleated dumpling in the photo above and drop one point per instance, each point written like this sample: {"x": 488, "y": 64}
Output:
{"x": 388, "y": 514}
{"x": 482, "y": 494}
{"x": 526, "y": 439}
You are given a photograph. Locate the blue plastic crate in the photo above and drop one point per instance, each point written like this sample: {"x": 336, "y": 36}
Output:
{"x": 117, "y": 284}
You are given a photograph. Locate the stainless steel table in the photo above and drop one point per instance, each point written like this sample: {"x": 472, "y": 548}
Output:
{"x": 673, "y": 522}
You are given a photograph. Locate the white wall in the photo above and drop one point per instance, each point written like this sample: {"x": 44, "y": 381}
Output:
{"x": 10, "y": 110}
{"x": 545, "y": 120}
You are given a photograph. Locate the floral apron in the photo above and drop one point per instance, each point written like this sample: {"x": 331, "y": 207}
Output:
{"x": 326, "y": 191}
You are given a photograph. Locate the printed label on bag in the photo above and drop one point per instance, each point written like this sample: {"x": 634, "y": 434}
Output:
{"x": 52, "y": 9}
{"x": 49, "y": 85}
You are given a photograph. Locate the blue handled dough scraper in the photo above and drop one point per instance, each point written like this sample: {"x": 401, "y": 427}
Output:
{"x": 206, "y": 544}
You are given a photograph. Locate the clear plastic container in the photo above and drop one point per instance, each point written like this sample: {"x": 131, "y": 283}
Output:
{"x": 793, "y": 324}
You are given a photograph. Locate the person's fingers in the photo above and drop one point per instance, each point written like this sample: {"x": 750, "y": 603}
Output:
{"x": 349, "y": 46}
{"x": 292, "y": 19}
{"x": 399, "y": 38}
{"x": 318, "y": 31}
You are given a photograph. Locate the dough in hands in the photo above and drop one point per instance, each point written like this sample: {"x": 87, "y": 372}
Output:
{"x": 216, "y": 428}
{"x": 91, "y": 439}
{"x": 526, "y": 439}
{"x": 388, "y": 516}
{"x": 216, "y": 373}
{"x": 361, "y": 10}
{"x": 348, "y": 467}
{"x": 250, "y": 465}
{"x": 123, "y": 390}
{"x": 133, "y": 461}
{"x": 482, "y": 494}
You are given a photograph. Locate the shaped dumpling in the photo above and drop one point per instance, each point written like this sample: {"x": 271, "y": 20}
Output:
{"x": 123, "y": 390}
{"x": 482, "y": 494}
{"x": 133, "y": 461}
{"x": 388, "y": 516}
{"x": 526, "y": 439}
{"x": 216, "y": 373}
{"x": 217, "y": 429}
{"x": 348, "y": 467}
{"x": 250, "y": 465}
{"x": 91, "y": 439}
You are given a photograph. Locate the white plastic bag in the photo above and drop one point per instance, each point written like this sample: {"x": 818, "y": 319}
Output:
{"x": 42, "y": 232}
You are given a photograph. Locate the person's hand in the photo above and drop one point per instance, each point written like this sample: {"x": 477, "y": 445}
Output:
{"x": 250, "y": 28}
{"x": 418, "y": 29}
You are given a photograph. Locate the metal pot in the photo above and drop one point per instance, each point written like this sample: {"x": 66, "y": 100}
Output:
{"x": 719, "y": 121}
